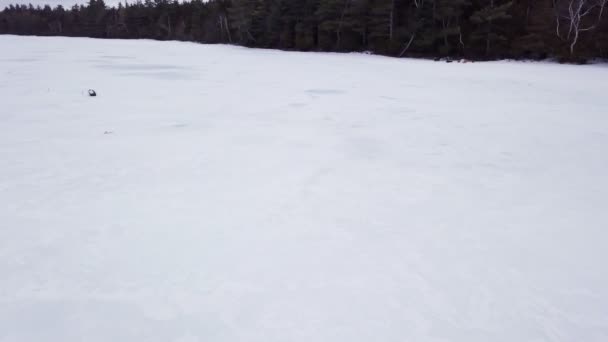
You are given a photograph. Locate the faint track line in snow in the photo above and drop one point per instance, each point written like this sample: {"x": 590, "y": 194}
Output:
{"x": 289, "y": 205}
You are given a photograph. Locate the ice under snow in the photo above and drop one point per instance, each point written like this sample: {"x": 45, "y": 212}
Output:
{"x": 217, "y": 193}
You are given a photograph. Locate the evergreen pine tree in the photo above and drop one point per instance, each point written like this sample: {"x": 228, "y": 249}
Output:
{"x": 486, "y": 19}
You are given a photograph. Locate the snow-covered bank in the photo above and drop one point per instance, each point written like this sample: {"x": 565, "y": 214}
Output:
{"x": 213, "y": 193}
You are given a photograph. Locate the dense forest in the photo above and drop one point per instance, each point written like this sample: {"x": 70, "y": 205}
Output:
{"x": 573, "y": 30}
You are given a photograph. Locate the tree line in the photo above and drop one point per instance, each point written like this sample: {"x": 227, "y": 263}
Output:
{"x": 573, "y": 30}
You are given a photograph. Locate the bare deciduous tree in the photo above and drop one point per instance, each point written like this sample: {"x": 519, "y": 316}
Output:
{"x": 572, "y": 17}
{"x": 418, "y": 4}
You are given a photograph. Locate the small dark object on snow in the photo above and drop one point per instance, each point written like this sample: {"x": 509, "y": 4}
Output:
{"x": 92, "y": 92}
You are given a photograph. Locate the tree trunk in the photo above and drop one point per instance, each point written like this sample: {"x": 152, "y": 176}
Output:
{"x": 488, "y": 43}
{"x": 392, "y": 21}
{"x": 339, "y": 29}
{"x": 407, "y": 46}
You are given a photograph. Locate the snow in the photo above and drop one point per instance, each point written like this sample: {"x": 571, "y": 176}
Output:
{"x": 216, "y": 193}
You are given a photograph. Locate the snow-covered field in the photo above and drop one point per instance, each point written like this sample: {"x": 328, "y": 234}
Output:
{"x": 214, "y": 193}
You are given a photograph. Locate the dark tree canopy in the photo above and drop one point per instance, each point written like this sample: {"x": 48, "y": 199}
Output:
{"x": 475, "y": 29}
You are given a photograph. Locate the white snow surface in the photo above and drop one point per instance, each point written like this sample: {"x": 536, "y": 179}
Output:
{"x": 217, "y": 193}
